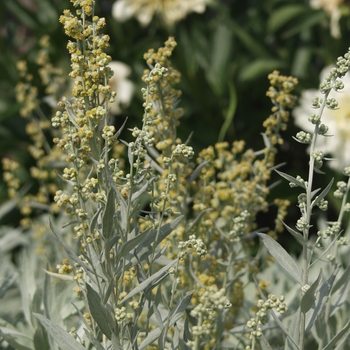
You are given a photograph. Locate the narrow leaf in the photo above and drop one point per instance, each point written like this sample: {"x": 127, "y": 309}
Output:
{"x": 198, "y": 218}
{"x": 60, "y": 276}
{"x": 265, "y": 345}
{"x": 93, "y": 340}
{"x": 142, "y": 190}
{"x": 322, "y": 194}
{"x": 7, "y": 283}
{"x": 197, "y": 171}
{"x": 108, "y": 216}
{"x": 158, "y": 316}
{"x": 150, "y": 282}
{"x": 40, "y": 339}
{"x": 344, "y": 277}
{"x": 230, "y": 113}
{"x": 70, "y": 252}
{"x": 291, "y": 179}
{"x": 322, "y": 295}
{"x": 282, "y": 257}
{"x": 176, "y": 314}
{"x": 318, "y": 171}
{"x": 180, "y": 307}
{"x": 93, "y": 222}
{"x": 309, "y": 297}
{"x": 340, "y": 337}
{"x": 297, "y": 235}
{"x": 132, "y": 243}
{"x": 144, "y": 248}
{"x": 283, "y": 15}
{"x": 294, "y": 331}
{"x": 15, "y": 339}
{"x": 62, "y": 338}
{"x": 99, "y": 313}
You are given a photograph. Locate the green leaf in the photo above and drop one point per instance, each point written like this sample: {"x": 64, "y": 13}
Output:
{"x": 342, "y": 280}
{"x": 94, "y": 219}
{"x": 321, "y": 298}
{"x": 309, "y": 297}
{"x": 62, "y": 337}
{"x": 108, "y": 291}
{"x": 220, "y": 55}
{"x": 319, "y": 326}
{"x": 71, "y": 254}
{"x": 41, "y": 341}
{"x": 7, "y": 207}
{"x": 150, "y": 282}
{"x": 123, "y": 208}
{"x": 282, "y": 257}
{"x": 94, "y": 260}
{"x": 7, "y": 283}
{"x": 14, "y": 337}
{"x": 144, "y": 248}
{"x": 197, "y": 219}
{"x": 27, "y": 283}
{"x": 82, "y": 318}
{"x": 200, "y": 45}
{"x": 310, "y": 20}
{"x": 108, "y": 216}
{"x": 47, "y": 13}
{"x": 294, "y": 331}
{"x": 23, "y": 14}
{"x": 251, "y": 43}
{"x": 99, "y": 313}
{"x": 265, "y": 345}
{"x": 176, "y": 314}
{"x": 132, "y": 243}
{"x": 220, "y": 326}
{"x": 188, "y": 54}
{"x": 259, "y": 67}
{"x": 230, "y": 113}
{"x": 12, "y": 239}
{"x": 339, "y": 338}
{"x": 283, "y": 15}
{"x": 142, "y": 190}
{"x": 322, "y": 194}
{"x": 297, "y": 235}
{"x": 59, "y": 276}
{"x": 158, "y": 316}
{"x": 93, "y": 340}
{"x": 197, "y": 171}
{"x": 291, "y": 179}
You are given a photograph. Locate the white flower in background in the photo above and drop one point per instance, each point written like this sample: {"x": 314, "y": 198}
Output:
{"x": 332, "y": 8}
{"x": 338, "y": 121}
{"x": 121, "y": 85}
{"x": 170, "y": 11}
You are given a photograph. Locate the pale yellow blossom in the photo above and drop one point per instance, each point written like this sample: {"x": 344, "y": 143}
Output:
{"x": 121, "y": 85}
{"x": 337, "y": 120}
{"x": 170, "y": 11}
{"x": 332, "y": 8}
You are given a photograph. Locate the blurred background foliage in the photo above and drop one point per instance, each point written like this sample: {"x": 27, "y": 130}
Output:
{"x": 223, "y": 54}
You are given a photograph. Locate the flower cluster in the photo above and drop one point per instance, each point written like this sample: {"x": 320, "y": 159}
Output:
{"x": 169, "y": 11}
{"x": 194, "y": 244}
{"x": 211, "y": 301}
{"x": 161, "y": 97}
{"x": 334, "y": 115}
{"x": 280, "y": 92}
{"x": 260, "y": 318}
{"x": 333, "y": 8}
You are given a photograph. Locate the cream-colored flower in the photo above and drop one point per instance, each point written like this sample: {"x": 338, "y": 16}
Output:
{"x": 121, "y": 85}
{"x": 332, "y": 8}
{"x": 338, "y": 121}
{"x": 170, "y": 11}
